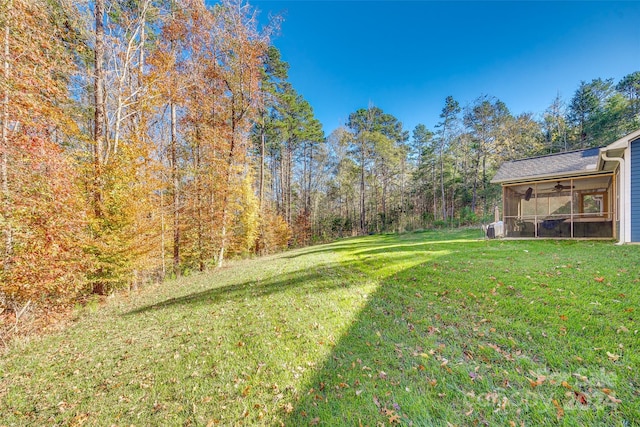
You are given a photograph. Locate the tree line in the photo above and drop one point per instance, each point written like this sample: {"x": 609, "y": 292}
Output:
{"x": 383, "y": 178}
{"x": 142, "y": 139}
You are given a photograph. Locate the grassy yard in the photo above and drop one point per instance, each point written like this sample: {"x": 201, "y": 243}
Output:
{"x": 420, "y": 329}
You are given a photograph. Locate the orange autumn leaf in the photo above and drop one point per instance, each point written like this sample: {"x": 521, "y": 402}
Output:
{"x": 538, "y": 381}
{"x": 614, "y": 399}
{"x": 559, "y": 409}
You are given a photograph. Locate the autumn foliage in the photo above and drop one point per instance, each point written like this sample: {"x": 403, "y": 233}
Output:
{"x": 43, "y": 216}
{"x": 49, "y": 228}
{"x": 126, "y": 144}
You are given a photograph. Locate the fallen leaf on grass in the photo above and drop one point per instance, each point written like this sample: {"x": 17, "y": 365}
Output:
{"x": 559, "y": 410}
{"x": 288, "y": 408}
{"x": 599, "y": 279}
{"x": 580, "y": 397}
{"x": 538, "y": 381}
{"x": 607, "y": 391}
{"x": 566, "y": 385}
{"x": 613, "y": 357}
{"x": 613, "y": 399}
{"x": 376, "y": 401}
{"x": 394, "y": 419}
{"x": 315, "y": 421}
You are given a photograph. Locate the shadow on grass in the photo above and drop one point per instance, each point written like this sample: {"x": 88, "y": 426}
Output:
{"x": 309, "y": 281}
{"x": 316, "y": 280}
{"x": 362, "y": 243}
{"x": 438, "y": 344}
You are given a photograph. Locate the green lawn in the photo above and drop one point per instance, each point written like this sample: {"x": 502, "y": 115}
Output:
{"x": 419, "y": 329}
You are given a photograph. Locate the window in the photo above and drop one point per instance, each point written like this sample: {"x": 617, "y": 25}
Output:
{"x": 592, "y": 204}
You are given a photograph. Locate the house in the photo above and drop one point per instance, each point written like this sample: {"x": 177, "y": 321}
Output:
{"x": 592, "y": 193}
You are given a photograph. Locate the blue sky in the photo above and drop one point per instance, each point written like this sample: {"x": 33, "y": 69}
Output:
{"x": 406, "y": 57}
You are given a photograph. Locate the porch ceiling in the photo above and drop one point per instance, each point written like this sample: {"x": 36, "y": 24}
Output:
{"x": 591, "y": 183}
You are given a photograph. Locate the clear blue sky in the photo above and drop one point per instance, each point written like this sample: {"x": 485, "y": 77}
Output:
{"x": 406, "y": 57}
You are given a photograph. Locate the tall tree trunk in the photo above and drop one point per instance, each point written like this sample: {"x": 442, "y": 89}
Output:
{"x": 435, "y": 195}
{"x": 261, "y": 184}
{"x": 99, "y": 104}
{"x": 362, "y": 202}
{"x": 475, "y": 184}
{"x": 143, "y": 35}
{"x": 282, "y": 191}
{"x": 289, "y": 181}
{"x": 442, "y": 195}
{"x": 198, "y": 175}
{"x": 283, "y": 184}
{"x": 484, "y": 185}
{"x": 176, "y": 195}
{"x": 304, "y": 178}
{"x": 384, "y": 198}
{"x": 225, "y": 191}
{"x": 453, "y": 190}
{"x": 402, "y": 197}
{"x": 310, "y": 177}
{"x": 6, "y": 196}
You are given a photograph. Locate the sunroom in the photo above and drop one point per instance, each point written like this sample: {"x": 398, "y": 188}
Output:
{"x": 565, "y": 195}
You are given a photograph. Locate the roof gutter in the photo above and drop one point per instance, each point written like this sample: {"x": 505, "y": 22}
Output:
{"x": 621, "y": 194}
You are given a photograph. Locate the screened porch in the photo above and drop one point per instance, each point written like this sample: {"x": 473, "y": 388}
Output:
{"x": 568, "y": 208}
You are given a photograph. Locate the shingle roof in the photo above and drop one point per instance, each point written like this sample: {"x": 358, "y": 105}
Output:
{"x": 561, "y": 164}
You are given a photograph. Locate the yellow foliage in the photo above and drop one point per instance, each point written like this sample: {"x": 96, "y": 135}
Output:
{"x": 247, "y": 226}
{"x": 275, "y": 234}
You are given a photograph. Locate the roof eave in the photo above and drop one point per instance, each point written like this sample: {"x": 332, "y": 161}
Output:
{"x": 550, "y": 177}
{"x": 623, "y": 142}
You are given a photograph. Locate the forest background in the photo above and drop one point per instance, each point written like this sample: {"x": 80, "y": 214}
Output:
{"x": 144, "y": 139}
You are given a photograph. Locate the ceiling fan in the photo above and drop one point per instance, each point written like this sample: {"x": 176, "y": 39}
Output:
{"x": 560, "y": 187}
